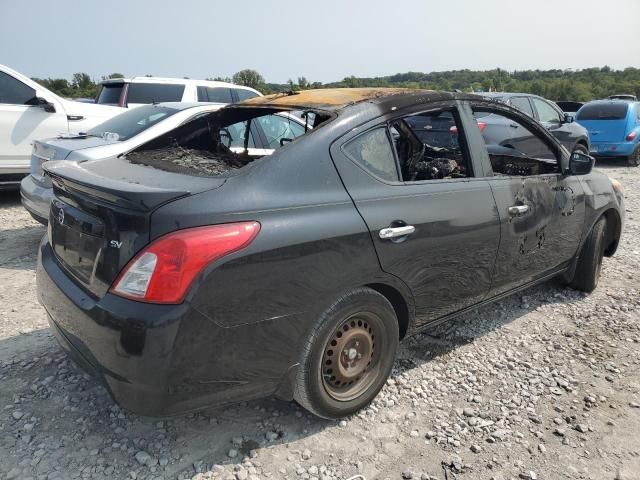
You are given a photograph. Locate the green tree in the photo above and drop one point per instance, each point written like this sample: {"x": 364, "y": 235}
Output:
{"x": 248, "y": 78}
{"x": 112, "y": 76}
{"x": 303, "y": 84}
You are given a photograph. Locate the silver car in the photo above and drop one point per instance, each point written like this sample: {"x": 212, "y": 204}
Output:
{"x": 128, "y": 131}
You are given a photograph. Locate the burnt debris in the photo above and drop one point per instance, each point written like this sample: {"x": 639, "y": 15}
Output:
{"x": 190, "y": 160}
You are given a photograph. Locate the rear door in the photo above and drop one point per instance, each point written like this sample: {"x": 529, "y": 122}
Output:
{"x": 430, "y": 212}
{"x": 541, "y": 210}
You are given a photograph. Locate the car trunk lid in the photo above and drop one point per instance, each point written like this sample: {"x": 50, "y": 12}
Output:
{"x": 101, "y": 211}
{"x": 59, "y": 149}
{"x": 604, "y": 131}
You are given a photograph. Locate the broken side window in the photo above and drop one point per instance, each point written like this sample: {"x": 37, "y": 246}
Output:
{"x": 431, "y": 146}
{"x": 513, "y": 148}
{"x": 373, "y": 151}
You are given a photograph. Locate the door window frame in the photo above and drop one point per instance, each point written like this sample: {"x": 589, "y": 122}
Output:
{"x": 534, "y": 127}
{"x": 534, "y": 112}
{"x": 478, "y": 170}
{"x": 537, "y": 113}
{"x": 35, "y": 92}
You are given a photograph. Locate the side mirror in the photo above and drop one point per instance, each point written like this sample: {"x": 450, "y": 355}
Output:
{"x": 580, "y": 163}
{"x": 46, "y": 105}
{"x": 569, "y": 118}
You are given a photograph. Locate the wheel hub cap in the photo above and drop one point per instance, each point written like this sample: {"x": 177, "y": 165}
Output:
{"x": 348, "y": 360}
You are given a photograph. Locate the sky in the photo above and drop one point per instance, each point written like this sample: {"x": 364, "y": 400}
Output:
{"x": 324, "y": 40}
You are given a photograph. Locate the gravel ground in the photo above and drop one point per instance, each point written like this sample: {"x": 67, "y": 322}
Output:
{"x": 545, "y": 384}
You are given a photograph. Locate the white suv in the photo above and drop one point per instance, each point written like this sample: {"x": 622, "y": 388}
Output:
{"x": 28, "y": 112}
{"x": 132, "y": 92}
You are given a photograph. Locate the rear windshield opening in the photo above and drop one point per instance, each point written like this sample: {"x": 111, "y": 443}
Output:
{"x": 226, "y": 140}
{"x": 603, "y": 111}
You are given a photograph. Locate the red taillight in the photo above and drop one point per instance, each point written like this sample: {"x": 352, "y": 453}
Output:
{"x": 482, "y": 126}
{"x": 632, "y": 136}
{"x": 164, "y": 271}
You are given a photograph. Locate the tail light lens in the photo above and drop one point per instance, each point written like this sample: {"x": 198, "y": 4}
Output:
{"x": 632, "y": 136}
{"x": 164, "y": 271}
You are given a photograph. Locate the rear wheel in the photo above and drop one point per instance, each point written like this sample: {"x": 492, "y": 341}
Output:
{"x": 634, "y": 158}
{"x": 348, "y": 356}
{"x": 587, "y": 271}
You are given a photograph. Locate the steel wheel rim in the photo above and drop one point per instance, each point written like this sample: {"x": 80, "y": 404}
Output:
{"x": 351, "y": 357}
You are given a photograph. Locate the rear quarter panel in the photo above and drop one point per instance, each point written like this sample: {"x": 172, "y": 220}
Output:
{"x": 313, "y": 246}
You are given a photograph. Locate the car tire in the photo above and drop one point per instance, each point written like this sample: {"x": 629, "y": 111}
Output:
{"x": 589, "y": 264}
{"x": 634, "y": 159}
{"x": 581, "y": 148}
{"x": 348, "y": 356}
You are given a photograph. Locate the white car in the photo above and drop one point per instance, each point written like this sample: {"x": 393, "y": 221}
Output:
{"x": 142, "y": 126}
{"x": 136, "y": 91}
{"x": 29, "y": 111}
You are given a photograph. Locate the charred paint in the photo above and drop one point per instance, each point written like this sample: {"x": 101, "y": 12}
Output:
{"x": 334, "y": 98}
{"x": 565, "y": 200}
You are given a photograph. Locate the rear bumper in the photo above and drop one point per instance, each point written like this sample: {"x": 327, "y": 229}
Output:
{"x": 36, "y": 199}
{"x": 158, "y": 360}
{"x": 622, "y": 149}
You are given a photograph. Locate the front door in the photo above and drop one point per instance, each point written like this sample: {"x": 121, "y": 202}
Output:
{"x": 21, "y": 122}
{"x": 433, "y": 221}
{"x": 541, "y": 209}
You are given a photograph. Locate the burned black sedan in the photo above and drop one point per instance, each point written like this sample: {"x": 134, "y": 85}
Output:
{"x": 193, "y": 271}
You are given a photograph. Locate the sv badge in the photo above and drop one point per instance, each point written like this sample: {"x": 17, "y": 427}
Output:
{"x": 115, "y": 244}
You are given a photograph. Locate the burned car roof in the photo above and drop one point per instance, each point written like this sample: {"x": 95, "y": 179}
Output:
{"x": 334, "y": 99}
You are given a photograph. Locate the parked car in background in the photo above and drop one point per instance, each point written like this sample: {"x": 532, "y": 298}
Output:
{"x": 182, "y": 282}
{"x": 135, "y": 127}
{"x": 572, "y": 136}
{"x": 569, "y": 107}
{"x": 631, "y": 98}
{"x": 614, "y": 128}
{"x": 29, "y": 111}
{"x": 132, "y": 92}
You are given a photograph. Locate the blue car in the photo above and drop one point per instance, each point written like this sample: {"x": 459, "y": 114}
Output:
{"x": 614, "y": 128}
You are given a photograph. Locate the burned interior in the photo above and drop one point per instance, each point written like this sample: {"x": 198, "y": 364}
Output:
{"x": 429, "y": 147}
{"x": 219, "y": 142}
{"x": 520, "y": 153}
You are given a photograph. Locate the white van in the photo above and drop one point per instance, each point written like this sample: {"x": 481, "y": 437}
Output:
{"x": 132, "y": 92}
{"x": 28, "y": 111}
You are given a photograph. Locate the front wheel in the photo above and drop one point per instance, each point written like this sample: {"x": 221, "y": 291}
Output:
{"x": 587, "y": 271}
{"x": 634, "y": 158}
{"x": 348, "y": 355}
{"x": 581, "y": 149}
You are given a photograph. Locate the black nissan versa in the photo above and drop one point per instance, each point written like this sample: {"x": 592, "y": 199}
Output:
{"x": 184, "y": 275}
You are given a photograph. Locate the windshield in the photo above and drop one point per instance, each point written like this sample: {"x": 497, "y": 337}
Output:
{"x": 132, "y": 122}
{"x": 603, "y": 111}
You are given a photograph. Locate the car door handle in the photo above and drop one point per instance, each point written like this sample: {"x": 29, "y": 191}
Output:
{"x": 514, "y": 125}
{"x": 518, "y": 210}
{"x": 395, "y": 232}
